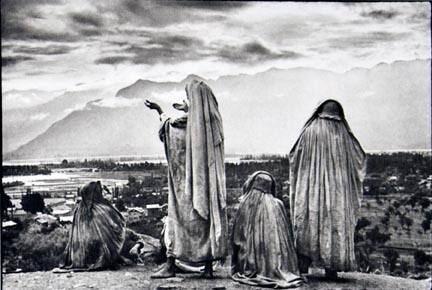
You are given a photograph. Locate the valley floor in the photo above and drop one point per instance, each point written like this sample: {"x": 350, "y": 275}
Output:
{"x": 138, "y": 277}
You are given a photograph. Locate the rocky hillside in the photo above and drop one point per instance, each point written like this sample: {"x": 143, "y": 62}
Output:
{"x": 138, "y": 277}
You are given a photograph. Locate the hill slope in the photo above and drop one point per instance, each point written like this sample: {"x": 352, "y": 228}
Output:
{"x": 21, "y": 125}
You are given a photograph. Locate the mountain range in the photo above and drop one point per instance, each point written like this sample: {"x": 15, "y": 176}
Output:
{"x": 387, "y": 106}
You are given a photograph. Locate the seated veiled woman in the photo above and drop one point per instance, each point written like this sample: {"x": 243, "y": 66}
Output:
{"x": 97, "y": 234}
{"x": 262, "y": 242}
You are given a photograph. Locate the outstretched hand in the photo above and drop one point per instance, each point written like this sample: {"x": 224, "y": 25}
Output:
{"x": 153, "y": 106}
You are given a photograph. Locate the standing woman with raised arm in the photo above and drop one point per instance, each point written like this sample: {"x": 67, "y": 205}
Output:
{"x": 196, "y": 226}
{"x": 327, "y": 166}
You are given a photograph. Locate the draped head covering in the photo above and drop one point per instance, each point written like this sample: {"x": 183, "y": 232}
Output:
{"x": 262, "y": 181}
{"x": 205, "y": 169}
{"x": 92, "y": 192}
{"x": 331, "y": 109}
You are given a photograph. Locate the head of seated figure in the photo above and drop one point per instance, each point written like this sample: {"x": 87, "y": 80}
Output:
{"x": 262, "y": 181}
{"x": 331, "y": 108}
{"x": 91, "y": 192}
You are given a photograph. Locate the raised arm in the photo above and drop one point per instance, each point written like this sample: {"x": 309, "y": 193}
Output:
{"x": 153, "y": 106}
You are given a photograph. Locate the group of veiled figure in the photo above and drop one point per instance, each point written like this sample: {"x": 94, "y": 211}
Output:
{"x": 269, "y": 245}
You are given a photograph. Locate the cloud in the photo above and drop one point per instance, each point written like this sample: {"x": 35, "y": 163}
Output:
{"x": 365, "y": 40}
{"x": 18, "y": 18}
{"x": 39, "y": 117}
{"x": 380, "y": 14}
{"x": 44, "y": 50}
{"x": 117, "y": 102}
{"x": 23, "y": 99}
{"x": 114, "y": 59}
{"x": 13, "y": 60}
{"x": 156, "y": 48}
{"x": 17, "y": 30}
{"x": 77, "y": 107}
{"x": 151, "y": 38}
{"x": 87, "y": 19}
{"x": 253, "y": 52}
{"x": 172, "y": 48}
{"x": 206, "y": 5}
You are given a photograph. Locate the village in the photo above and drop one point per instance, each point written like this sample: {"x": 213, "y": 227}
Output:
{"x": 396, "y": 204}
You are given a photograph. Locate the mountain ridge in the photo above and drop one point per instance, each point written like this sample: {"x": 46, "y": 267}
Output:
{"x": 395, "y": 93}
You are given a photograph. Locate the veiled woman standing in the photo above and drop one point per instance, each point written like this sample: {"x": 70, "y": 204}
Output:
{"x": 262, "y": 242}
{"x": 196, "y": 226}
{"x": 97, "y": 234}
{"x": 327, "y": 166}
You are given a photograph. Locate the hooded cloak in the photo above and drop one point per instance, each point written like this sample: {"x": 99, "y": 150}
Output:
{"x": 205, "y": 168}
{"x": 97, "y": 234}
{"x": 196, "y": 228}
{"x": 327, "y": 166}
{"x": 262, "y": 242}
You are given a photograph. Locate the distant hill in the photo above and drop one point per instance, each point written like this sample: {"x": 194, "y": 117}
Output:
{"x": 387, "y": 106}
{"x": 21, "y": 125}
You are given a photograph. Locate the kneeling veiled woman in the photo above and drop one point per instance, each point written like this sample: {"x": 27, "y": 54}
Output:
{"x": 97, "y": 234}
{"x": 263, "y": 248}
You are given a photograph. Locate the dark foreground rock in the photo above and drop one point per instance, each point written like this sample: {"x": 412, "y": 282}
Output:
{"x": 138, "y": 277}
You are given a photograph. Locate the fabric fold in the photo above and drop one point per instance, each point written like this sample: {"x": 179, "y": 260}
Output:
{"x": 97, "y": 234}
{"x": 263, "y": 247}
{"x": 196, "y": 227}
{"x": 327, "y": 167}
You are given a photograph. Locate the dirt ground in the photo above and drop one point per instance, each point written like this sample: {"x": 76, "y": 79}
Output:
{"x": 138, "y": 277}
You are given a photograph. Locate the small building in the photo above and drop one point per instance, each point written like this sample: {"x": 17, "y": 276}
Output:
{"x": 155, "y": 208}
{"x": 8, "y": 224}
{"x": 45, "y": 219}
{"x": 135, "y": 214}
{"x": 70, "y": 203}
{"x": 66, "y": 219}
{"x": 62, "y": 210}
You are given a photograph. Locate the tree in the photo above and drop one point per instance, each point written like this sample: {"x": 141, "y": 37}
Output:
{"x": 424, "y": 203}
{"x": 120, "y": 205}
{"x": 362, "y": 223}
{"x": 32, "y": 203}
{"x": 428, "y": 215}
{"x": 421, "y": 258}
{"x": 402, "y": 220}
{"x": 408, "y": 222}
{"x": 392, "y": 256}
{"x": 376, "y": 237}
{"x": 426, "y": 224}
{"x": 5, "y": 202}
{"x": 385, "y": 220}
{"x": 412, "y": 201}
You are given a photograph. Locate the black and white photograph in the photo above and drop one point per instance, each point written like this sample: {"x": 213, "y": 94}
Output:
{"x": 176, "y": 144}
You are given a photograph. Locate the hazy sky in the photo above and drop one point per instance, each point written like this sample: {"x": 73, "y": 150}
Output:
{"x": 70, "y": 45}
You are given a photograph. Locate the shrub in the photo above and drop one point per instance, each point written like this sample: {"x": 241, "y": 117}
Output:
{"x": 392, "y": 256}
{"x": 421, "y": 258}
{"x": 33, "y": 203}
{"x": 35, "y": 249}
{"x": 362, "y": 223}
